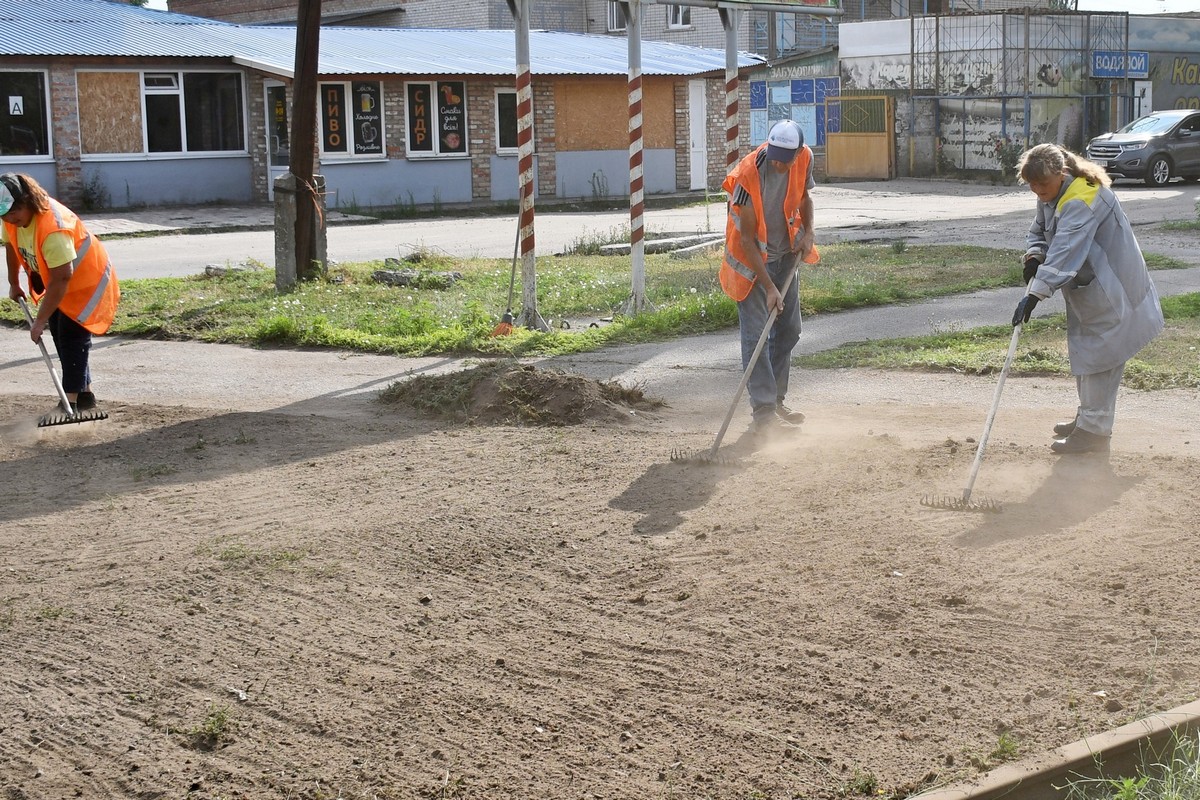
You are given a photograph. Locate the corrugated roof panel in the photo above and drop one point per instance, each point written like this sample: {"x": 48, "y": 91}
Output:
{"x": 101, "y": 28}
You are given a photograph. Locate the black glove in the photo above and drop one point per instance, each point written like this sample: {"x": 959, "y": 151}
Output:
{"x": 1024, "y": 309}
{"x": 1031, "y": 268}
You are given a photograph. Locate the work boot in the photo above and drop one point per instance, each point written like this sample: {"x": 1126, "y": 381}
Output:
{"x": 787, "y": 415}
{"x": 1064, "y": 429}
{"x": 84, "y": 401}
{"x": 1081, "y": 441}
{"x": 773, "y": 427}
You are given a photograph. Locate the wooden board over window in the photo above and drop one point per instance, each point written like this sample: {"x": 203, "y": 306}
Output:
{"x": 593, "y": 114}
{"x": 110, "y": 112}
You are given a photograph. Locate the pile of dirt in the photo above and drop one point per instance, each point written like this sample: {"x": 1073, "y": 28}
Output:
{"x": 510, "y": 393}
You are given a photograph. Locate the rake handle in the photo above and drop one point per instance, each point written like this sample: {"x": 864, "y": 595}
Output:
{"x": 62, "y": 395}
{"x": 762, "y": 340}
{"x": 987, "y": 427}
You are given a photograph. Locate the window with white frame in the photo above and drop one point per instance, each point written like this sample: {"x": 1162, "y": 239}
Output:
{"x": 436, "y": 122}
{"x": 506, "y": 121}
{"x": 679, "y": 16}
{"x": 351, "y": 119}
{"x": 23, "y": 122}
{"x": 616, "y": 16}
{"x": 193, "y": 112}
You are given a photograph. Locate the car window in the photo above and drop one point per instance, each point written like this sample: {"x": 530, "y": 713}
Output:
{"x": 1192, "y": 123}
{"x": 1150, "y": 124}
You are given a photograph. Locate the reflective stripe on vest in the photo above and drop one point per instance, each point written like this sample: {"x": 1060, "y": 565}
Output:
{"x": 85, "y": 313}
{"x": 742, "y": 268}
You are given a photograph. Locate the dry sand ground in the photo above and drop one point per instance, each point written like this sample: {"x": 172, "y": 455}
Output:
{"x": 343, "y": 599}
{"x": 359, "y": 602}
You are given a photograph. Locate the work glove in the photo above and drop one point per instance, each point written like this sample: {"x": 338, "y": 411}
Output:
{"x": 1031, "y": 268}
{"x": 1024, "y": 309}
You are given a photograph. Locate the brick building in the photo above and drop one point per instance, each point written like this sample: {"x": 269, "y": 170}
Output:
{"x": 124, "y": 106}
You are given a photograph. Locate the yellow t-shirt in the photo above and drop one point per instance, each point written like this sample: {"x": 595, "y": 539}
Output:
{"x": 59, "y": 247}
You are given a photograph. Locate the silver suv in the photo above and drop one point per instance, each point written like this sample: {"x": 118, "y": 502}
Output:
{"x": 1154, "y": 148}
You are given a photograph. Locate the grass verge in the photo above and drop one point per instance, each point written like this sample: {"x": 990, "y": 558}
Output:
{"x": 1170, "y": 775}
{"x": 451, "y": 306}
{"x": 1170, "y": 361}
{"x": 349, "y": 309}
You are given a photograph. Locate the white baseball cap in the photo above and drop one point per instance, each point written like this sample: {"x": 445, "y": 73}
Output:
{"x": 784, "y": 141}
{"x": 6, "y": 196}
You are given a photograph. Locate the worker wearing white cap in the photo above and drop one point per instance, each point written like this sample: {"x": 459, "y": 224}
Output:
{"x": 768, "y": 232}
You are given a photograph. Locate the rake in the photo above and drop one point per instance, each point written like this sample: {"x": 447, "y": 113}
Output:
{"x": 710, "y": 456}
{"x": 70, "y": 415}
{"x": 965, "y": 503}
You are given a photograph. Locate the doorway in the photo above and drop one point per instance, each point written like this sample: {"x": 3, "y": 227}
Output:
{"x": 278, "y": 146}
{"x": 697, "y": 136}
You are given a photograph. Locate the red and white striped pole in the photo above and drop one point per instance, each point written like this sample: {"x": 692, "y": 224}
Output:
{"x": 730, "y": 18}
{"x": 637, "y": 192}
{"x": 529, "y": 316}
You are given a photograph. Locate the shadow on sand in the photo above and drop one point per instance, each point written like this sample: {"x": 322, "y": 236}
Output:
{"x": 1077, "y": 488}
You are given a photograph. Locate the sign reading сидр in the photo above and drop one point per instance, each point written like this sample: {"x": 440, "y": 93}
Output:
{"x": 1120, "y": 64}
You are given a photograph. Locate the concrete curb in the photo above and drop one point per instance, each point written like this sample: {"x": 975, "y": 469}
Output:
{"x": 1116, "y": 753}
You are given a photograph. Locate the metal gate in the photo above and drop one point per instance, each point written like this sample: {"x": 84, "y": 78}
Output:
{"x": 860, "y": 139}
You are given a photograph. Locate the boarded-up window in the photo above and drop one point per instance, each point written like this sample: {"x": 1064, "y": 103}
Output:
{"x": 110, "y": 112}
{"x": 593, "y": 114}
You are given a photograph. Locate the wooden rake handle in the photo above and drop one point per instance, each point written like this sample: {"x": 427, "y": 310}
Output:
{"x": 762, "y": 340}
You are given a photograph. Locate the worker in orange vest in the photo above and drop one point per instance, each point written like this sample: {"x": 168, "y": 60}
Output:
{"x": 69, "y": 275}
{"x": 768, "y": 232}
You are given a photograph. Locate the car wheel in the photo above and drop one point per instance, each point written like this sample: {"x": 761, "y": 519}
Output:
{"x": 1159, "y": 171}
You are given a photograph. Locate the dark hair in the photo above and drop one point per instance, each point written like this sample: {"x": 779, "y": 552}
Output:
{"x": 26, "y": 191}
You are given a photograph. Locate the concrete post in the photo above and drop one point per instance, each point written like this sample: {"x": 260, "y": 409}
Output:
{"x": 287, "y": 271}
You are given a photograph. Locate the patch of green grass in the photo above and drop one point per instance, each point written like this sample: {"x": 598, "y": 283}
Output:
{"x": 1007, "y": 749}
{"x": 216, "y": 728}
{"x": 1172, "y": 360}
{"x": 1169, "y": 773}
{"x": 52, "y": 612}
{"x": 861, "y": 784}
{"x": 347, "y": 309}
{"x": 238, "y": 554}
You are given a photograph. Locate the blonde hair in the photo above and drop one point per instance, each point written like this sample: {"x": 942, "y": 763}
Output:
{"x": 1046, "y": 160}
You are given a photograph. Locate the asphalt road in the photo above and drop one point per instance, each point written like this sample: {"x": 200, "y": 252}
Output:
{"x": 914, "y": 210}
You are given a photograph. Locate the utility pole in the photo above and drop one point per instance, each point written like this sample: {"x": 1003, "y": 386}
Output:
{"x": 303, "y": 138}
{"x": 529, "y": 316}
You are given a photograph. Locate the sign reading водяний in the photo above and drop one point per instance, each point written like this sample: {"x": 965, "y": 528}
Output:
{"x": 1120, "y": 64}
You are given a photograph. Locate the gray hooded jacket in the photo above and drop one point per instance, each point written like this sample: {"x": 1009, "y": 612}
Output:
{"x": 1087, "y": 249}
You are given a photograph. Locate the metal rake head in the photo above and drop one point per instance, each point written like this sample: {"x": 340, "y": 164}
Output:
{"x": 51, "y": 419}
{"x": 948, "y": 503}
{"x": 702, "y": 457}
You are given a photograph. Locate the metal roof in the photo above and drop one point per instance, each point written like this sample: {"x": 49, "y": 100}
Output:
{"x": 116, "y": 29}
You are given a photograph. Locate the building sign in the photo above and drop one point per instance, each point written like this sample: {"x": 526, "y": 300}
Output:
{"x": 1120, "y": 64}
{"x": 420, "y": 118}
{"x": 333, "y": 118}
{"x": 437, "y": 118}
{"x": 452, "y": 117}
{"x": 368, "y": 119}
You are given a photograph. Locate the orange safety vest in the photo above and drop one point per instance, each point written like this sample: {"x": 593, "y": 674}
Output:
{"x": 92, "y": 293}
{"x": 737, "y": 277}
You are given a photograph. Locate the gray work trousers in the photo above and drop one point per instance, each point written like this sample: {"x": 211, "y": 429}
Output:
{"x": 1098, "y": 400}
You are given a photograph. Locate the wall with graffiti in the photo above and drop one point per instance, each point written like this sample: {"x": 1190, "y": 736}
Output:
{"x": 1173, "y": 45}
{"x": 984, "y": 87}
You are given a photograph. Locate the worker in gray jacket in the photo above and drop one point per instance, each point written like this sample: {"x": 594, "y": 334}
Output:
{"x": 1081, "y": 242}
